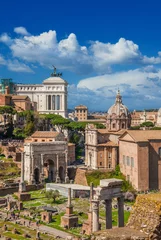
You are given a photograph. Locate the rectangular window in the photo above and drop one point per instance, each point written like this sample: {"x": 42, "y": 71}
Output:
{"x": 128, "y": 161}
{"x": 109, "y": 154}
{"x": 132, "y": 162}
{"x": 100, "y": 163}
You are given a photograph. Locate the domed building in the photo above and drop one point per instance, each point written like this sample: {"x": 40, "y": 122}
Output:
{"x": 118, "y": 116}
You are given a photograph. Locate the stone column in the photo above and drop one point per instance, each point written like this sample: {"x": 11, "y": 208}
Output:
{"x": 108, "y": 205}
{"x": 69, "y": 197}
{"x": 95, "y": 215}
{"x": 22, "y": 185}
{"x": 32, "y": 170}
{"x": 66, "y": 170}
{"x": 114, "y": 157}
{"x": 57, "y": 169}
{"x": 120, "y": 201}
{"x": 91, "y": 196}
{"x": 42, "y": 168}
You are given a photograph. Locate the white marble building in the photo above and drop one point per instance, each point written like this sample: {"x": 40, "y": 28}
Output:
{"x": 50, "y": 96}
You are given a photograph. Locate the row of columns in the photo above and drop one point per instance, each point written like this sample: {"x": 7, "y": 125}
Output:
{"x": 55, "y": 102}
{"x": 94, "y": 209}
{"x": 22, "y": 186}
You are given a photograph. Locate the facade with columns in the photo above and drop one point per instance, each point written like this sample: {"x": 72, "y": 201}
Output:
{"x": 101, "y": 148}
{"x": 50, "y": 96}
{"x": 47, "y": 160}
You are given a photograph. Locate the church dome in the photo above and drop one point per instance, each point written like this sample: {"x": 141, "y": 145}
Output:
{"x": 118, "y": 108}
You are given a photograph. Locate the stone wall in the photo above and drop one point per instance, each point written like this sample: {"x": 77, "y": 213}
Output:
{"x": 146, "y": 215}
{"x": 80, "y": 177}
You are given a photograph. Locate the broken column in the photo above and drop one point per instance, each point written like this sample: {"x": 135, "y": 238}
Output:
{"x": 69, "y": 219}
{"x": 87, "y": 225}
{"x": 95, "y": 215}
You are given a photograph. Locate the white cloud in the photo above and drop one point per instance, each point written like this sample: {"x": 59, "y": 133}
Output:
{"x": 16, "y": 66}
{"x": 139, "y": 87}
{"x": 2, "y": 60}
{"x": 45, "y": 49}
{"x": 5, "y": 38}
{"x": 21, "y": 31}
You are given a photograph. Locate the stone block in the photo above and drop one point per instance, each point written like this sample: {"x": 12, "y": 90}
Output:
{"x": 23, "y": 196}
{"x": 46, "y": 217}
{"x": 69, "y": 221}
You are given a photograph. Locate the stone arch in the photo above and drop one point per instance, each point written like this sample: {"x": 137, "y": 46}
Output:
{"x": 49, "y": 170}
{"x": 37, "y": 175}
{"x": 61, "y": 173}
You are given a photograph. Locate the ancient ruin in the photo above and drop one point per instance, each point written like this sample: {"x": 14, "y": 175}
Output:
{"x": 69, "y": 219}
{"x": 108, "y": 189}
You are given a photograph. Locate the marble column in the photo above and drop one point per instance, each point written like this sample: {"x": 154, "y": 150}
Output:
{"x": 66, "y": 169}
{"x": 95, "y": 215}
{"x": 69, "y": 197}
{"x": 120, "y": 201}
{"x": 91, "y": 196}
{"x": 42, "y": 168}
{"x": 55, "y": 102}
{"x": 57, "y": 169}
{"x": 32, "y": 170}
{"x": 22, "y": 185}
{"x": 108, "y": 206}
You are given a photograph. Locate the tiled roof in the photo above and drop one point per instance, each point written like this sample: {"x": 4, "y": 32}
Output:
{"x": 44, "y": 134}
{"x": 19, "y": 97}
{"x": 81, "y": 107}
{"x": 107, "y": 144}
{"x": 143, "y": 135}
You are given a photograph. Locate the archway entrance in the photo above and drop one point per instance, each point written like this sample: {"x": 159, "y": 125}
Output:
{"x": 36, "y": 175}
{"x": 49, "y": 170}
{"x": 61, "y": 174}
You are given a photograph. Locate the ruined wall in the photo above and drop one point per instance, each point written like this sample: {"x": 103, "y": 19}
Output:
{"x": 146, "y": 215}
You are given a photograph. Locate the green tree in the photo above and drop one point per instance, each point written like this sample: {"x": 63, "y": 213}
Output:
{"x": 18, "y": 133}
{"x": 52, "y": 194}
{"x": 29, "y": 129}
{"x": 147, "y": 124}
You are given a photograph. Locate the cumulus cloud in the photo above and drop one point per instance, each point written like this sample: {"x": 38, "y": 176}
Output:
{"x": 139, "y": 87}
{"x": 17, "y": 66}
{"x": 2, "y": 60}
{"x": 44, "y": 49}
{"x": 21, "y": 31}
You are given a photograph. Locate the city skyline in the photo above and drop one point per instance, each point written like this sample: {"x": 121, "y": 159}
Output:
{"x": 99, "y": 48}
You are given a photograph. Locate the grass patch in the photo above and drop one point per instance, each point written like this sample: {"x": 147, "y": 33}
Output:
{"x": 96, "y": 175}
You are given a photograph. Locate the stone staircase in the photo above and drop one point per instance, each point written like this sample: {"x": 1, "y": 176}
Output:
{"x": 80, "y": 177}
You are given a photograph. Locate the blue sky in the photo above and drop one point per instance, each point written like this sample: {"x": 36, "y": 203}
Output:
{"x": 99, "y": 46}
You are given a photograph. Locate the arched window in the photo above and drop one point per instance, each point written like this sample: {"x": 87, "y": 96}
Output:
{"x": 159, "y": 152}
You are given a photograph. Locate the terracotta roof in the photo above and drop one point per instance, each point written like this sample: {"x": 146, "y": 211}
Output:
{"x": 44, "y": 134}
{"x": 103, "y": 131}
{"x": 143, "y": 135}
{"x": 19, "y": 97}
{"x": 107, "y": 144}
{"x": 81, "y": 107}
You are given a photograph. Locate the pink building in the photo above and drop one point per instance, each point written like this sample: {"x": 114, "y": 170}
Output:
{"x": 140, "y": 158}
